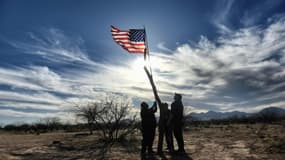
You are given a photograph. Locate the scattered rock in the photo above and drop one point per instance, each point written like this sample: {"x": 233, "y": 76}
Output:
{"x": 56, "y": 143}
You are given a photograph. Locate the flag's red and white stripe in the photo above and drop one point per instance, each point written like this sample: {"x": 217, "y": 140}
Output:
{"x": 123, "y": 39}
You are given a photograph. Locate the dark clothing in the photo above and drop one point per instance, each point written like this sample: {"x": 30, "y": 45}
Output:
{"x": 168, "y": 132}
{"x": 161, "y": 131}
{"x": 148, "y": 125}
{"x": 177, "y": 112}
{"x": 163, "y": 107}
{"x": 165, "y": 129}
{"x": 177, "y": 123}
{"x": 178, "y": 134}
{"x": 162, "y": 121}
{"x": 162, "y": 125}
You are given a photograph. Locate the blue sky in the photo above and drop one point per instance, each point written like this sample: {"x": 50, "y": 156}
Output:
{"x": 221, "y": 55}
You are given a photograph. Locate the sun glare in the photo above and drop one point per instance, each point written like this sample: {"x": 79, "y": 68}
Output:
{"x": 138, "y": 63}
{"x": 136, "y": 71}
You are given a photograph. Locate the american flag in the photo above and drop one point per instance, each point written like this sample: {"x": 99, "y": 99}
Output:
{"x": 132, "y": 40}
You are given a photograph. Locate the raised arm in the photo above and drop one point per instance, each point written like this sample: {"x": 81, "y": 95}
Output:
{"x": 153, "y": 87}
{"x": 153, "y": 109}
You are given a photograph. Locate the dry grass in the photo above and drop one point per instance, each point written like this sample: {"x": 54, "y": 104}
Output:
{"x": 212, "y": 142}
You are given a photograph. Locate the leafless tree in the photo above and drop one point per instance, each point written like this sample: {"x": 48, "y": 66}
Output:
{"x": 51, "y": 123}
{"x": 112, "y": 117}
{"x": 90, "y": 114}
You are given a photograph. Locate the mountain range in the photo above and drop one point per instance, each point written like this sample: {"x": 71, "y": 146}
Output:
{"x": 269, "y": 112}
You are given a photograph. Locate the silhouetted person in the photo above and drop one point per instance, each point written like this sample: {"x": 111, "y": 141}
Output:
{"x": 168, "y": 132}
{"x": 163, "y": 107}
{"x": 162, "y": 114}
{"x": 148, "y": 124}
{"x": 177, "y": 121}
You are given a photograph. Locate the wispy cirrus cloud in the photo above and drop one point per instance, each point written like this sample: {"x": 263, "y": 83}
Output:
{"x": 254, "y": 14}
{"x": 53, "y": 45}
{"x": 220, "y": 18}
{"x": 244, "y": 64}
{"x": 240, "y": 70}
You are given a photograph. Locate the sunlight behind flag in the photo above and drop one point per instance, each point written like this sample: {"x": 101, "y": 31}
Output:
{"x": 132, "y": 40}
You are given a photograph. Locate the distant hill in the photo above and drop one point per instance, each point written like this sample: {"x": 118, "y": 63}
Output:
{"x": 271, "y": 112}
{"x": 267, "y": 112}
{"x": 217, "y": 115}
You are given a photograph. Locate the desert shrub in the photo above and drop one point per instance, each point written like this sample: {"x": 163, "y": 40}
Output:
{"x": 276, "y": 147}
{"x": 52, "y": 123}
{"x": 10, "y": 127}
{"x": 111, "y": 117}
{"x": 24, "y": 128}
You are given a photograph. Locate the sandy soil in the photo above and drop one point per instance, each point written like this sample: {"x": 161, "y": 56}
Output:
{"x": 215, "y": 142}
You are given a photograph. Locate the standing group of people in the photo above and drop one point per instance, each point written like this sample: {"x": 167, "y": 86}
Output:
{"x": 170, "y": 123}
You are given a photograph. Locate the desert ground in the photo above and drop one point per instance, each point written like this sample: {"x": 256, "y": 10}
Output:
{"x": 212, "y": 142}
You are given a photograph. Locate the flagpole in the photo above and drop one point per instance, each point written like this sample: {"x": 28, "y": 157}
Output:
{"x": 146, "y": 45}
{"x": 147, "y": 52}
{"x": 154, "y": 89}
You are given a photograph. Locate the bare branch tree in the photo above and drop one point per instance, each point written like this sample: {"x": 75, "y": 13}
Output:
{"x": 112, "y": 117}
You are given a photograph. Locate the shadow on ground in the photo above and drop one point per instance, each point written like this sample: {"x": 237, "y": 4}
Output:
{"x": 166, "y": 156}
{"x": 85, "y": 147}
{"x": 70, "y": 148}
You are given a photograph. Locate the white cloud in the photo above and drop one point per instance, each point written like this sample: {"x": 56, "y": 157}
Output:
{"x": 55, "y": 46}
{"x": 12, "y": 113}
{"x": 65, "y": 117}
{"x": 242, "y": 65}
{"x": 163, "y": 47}
{"x": 29, "y": 100}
